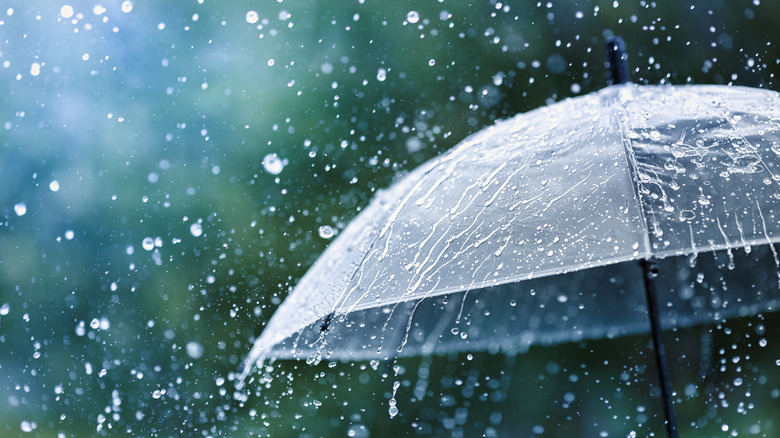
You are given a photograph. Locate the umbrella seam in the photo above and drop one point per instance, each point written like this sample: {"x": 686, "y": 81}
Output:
{"x": 622, "y": 113}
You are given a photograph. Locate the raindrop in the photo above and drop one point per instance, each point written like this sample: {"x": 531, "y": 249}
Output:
{"x": 393, "y": 410}
{"x": 54, "y": 186}
{"x": 66, "y": 11}
{"x": 326, "y": 231}
{"x": 69, "y": 234}
{"x": 412, "y": 17}
{"x": 251, "y": 17}
{"x": 148, "y": 243}
{"x": 127, "y": 6}
{"x": 498, "y": 79}
{"x": 381, "y": 75}
{"x": 556, "y": 64}
{"x": 194, "y": 350}
{"x": 28, "y": 426}
{"x": 357, "y": 431}
{"x": 4, "y": 309}
{"x": 273, "y": 164}
{"x": 20, "y": 209}
{"x": 196, "y": 229}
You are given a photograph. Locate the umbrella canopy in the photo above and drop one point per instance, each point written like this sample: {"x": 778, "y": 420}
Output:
{"x": 524, "y": 232}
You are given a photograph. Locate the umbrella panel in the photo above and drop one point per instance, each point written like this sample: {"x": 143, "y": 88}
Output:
{"x": 509, "y": 318}
{"x": 707, "y": 168}
{"x": 607, "y": 301}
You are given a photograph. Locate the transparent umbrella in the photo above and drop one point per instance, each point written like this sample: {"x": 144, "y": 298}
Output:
{"x": 530, "y": 231}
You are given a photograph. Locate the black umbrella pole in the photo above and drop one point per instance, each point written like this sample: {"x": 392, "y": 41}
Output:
{"x": 650, "y": 269}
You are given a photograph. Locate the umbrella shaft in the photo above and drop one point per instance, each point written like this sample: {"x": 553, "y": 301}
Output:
{"x": 650, "y": 269}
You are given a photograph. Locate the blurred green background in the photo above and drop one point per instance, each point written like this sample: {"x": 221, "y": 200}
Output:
{"x": 166, "y": 168}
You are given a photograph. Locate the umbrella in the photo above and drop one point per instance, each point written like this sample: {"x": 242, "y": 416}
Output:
{"x": 569, "y": 222}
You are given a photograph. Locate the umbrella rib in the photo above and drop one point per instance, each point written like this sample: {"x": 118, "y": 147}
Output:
{"x": 622, "y": 121}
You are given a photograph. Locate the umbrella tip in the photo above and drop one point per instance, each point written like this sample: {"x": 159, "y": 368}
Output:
{"x": 617, "y": 60}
